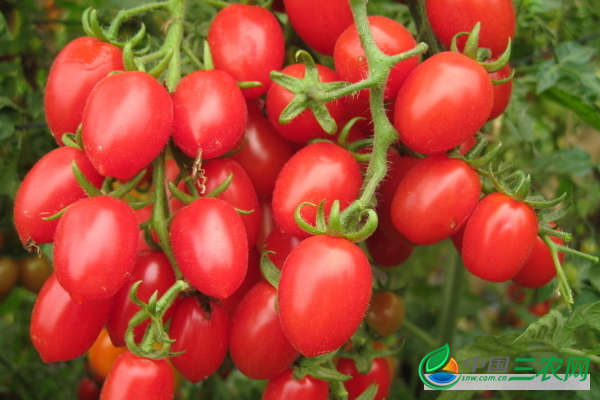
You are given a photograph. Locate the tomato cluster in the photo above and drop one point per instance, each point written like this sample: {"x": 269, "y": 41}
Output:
{"x": 229, "y": 178}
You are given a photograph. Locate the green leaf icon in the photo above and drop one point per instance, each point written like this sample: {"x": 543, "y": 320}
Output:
{"x": 437, "y": 358}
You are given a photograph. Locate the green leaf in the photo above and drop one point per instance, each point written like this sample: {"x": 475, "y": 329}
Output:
{"x": 550, "y": 329}
{"x": 437, "y": 358}
{"x": 576, "y": 319}
{"x": 5, "y": 34}
{"x": 490, "y": 346}
{"x": 591, "y": 315}
{"x": 573, "y": 161}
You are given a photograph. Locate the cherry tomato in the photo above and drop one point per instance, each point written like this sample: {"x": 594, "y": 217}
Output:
{"x": 379, "y": 374}
{"x": 209, "y": 113}
{"x": 386, "y": 313}
{"x": 75, "y": 71}
{"x": 247, "y": 42}
{"x": 253, "y": 276}
{"x": 61, "y": 329}
{"x": 103, "y": 353}
{"x": 320, "y": 171}
{"x": 95, "y": 248}
{"x": 540, "y": 309}
{"x": 502, "y": 92}
{"x": 435, "y": 198}
{"x": 430, "y": 112}
{"x": 305, "y": 126}
{"x": 88, "y": 389}
{"x": 134, "y": 377}
{"x": 202, "y": 334}
{"x": 386, "y": 250}
{"x": 47, "y": 188}
{"x": 34, "y": 271}
{"x": 449, "y": 17}
{"x": 156, "y": 273}
{"x": 209, "y": 243}
{"x": 283, "y": 386}
{"x": 265, "y": 152}
{"x": 9, "y": 275}
{"x": 498, "y": 223}
{"x": 282, "y": 245}
{"x": 126, "y": 123}
{"x": 391, "y": 37}
{"x": 324, "y": 292}
{"x": 539, "y": 268}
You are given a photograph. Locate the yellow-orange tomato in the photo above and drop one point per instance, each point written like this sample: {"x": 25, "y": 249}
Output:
{"x": 386, "y": 313}
{"x": 103, "y": 354}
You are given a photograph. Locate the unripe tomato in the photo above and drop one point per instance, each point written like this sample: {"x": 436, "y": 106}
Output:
{"x": 386, "y": 313}
{"x": 9, "y": 275}
{"x": 34, "y": 271}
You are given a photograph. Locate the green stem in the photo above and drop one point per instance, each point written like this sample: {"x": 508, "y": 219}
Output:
{"x": 450, "y": 300}
{"x": 562, "y": 278}
{"x": 125, "y": 14}
{"x": 567, "y": 350}
{"x": 174, "y": 39}
{"x": 420, "y": 333}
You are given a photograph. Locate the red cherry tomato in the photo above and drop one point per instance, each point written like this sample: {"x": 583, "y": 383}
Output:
{"x": 61, "y": 329}
{"x": 386, "y": 250}
{"x": 247, "y": 42}
{"x": 209, "y": 243}
{"x": 539, "y": 268}
{"x": 324, "y": 292}
{"x": 156, "y": 273}
{"x": 126, "y": 123}
{"x": 305, "y": 126}
{"x": 95, "y": 248}
{"x": 391, "y": 37}
{"x": 502, "y": 92}
{"x": 430, "y": 112}
{"x": 47, "y": 188}
{"x": 320, "y": 171}
{"x": 498, "y": 223}
{"x": 435, "y": 198}
{"x": 209, "y": 113}
{"x": 319, "y": 23}
{"x": 282, "y": 245}
{"x": 255, "y": 320}
{"x": 379, "y": 374}
{"x": 203, "y": 335}
{"x": 283, "y": 386}
{"x": 265, "y": 152}
{"x": 88, "y": 389}
{"x": 253, "y": 276}
{"x": 449, "y": 17}
{"x": 134, "y": 377}
{"x": 75, "y": 71}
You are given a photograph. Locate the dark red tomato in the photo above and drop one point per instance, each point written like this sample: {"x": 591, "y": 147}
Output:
{"x": 210, "y": 246}
{"x": 540, "y": 309}
{"x": 305, "y": 126}
{"x": 9, "y": 275}
{"x": 61, "y": 329}
{"x": 449, "y": 17}
{"x": 240, "y": 193}
{"x": 265, "y": 152}
{"x": 95, "y": 248}
{"x": 502, "y": 92}
{"x": 499, "y": 223}
{"x": 391, "y": 37}
{"x": 156, "y": 273}
{"x": 539, "y": 268}
{"x": 442, "y": 103}
{"x": 284, "y": 386}
{"x": 126, "y": 123}
{"x": 209, "y": 113}
{"x": 134, "y": 377}
{"x": 320, "y": 171}
{"x": 257, "y": 345}
{"x": 379, "y": 374}
{"x": 435, "y": 198}
{"x": 282, "y": 245}
{"x": 203, "y": 335}
{"x": 386, "y": 313}
{"x": 388, "y": 251}
{"x": 253, "y": 276}
{"x": 34, "y": 271}
{"x": 47, "y": 188}
{"x": 319, "y": 23}
{"x": 75, "y": 71}
{"x": 88, "y": 389}
{"x": 267, "y": 223}
{"x": 324, "y": 292}
{"x": 247, "y": 42}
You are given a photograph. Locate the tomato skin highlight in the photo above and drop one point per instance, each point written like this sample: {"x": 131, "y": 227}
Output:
{"x": 324, "y": 292}
{"x": 430, "y": 108}
{"x": 539, "y": 268}
{"x": 434, "y": 199}
{"x": 283, "y": 386}
{"x": 47, "y": 188}
{"x": 61, "y": 329}
{"x": 204, "y": 336}
{"x": 210, "y": 245}
{"x": 209, "y": 113}
{"x": 320, "y": 171}
{"x": 496, "y": 224}
{"x": 126, "y": 123}
{"x": 95, "y": 248}
{"x": 247, "y": 42}
{"x": 75, "y": 71}
{"x": 134, "y": 377}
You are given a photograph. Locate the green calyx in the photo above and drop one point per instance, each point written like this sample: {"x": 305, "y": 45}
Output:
{"x": 472, "y": 51}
